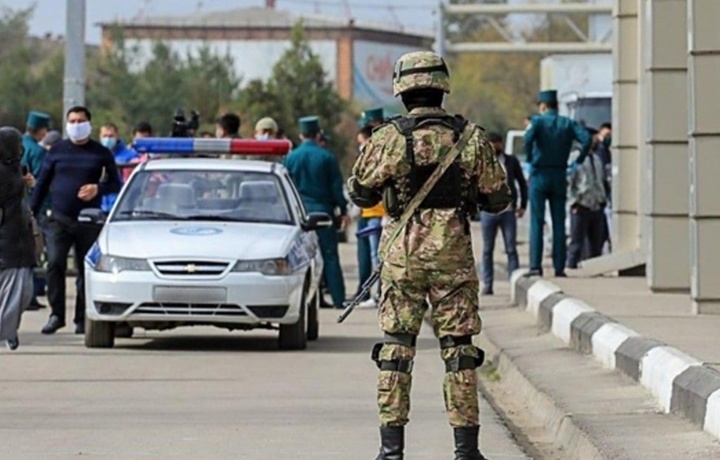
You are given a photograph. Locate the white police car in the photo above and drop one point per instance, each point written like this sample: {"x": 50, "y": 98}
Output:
{"x": 206, "y": 241}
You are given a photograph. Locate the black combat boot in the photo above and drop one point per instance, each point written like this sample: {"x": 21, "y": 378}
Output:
{"x": 392, "y": 443}
{"x": 466, "y": 443}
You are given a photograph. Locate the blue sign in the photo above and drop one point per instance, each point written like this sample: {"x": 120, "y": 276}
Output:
{"x": 196, "y": 231}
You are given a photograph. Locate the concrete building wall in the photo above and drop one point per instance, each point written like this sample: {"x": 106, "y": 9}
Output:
{"x": 626, "y": 232}
{"x": 665, "y": 157}
{"x": 704, "y": 126}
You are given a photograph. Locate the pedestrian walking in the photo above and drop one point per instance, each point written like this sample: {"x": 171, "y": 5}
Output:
{"x": 72, "y": 174}
{"x": 426, "y": 248}
{"x": 548, "y": 141}
{"x": 506, "y": 222}
{"x": 587, "y": 198}
{"x": 17, "y": 242}
{"x": 316, "y": 174}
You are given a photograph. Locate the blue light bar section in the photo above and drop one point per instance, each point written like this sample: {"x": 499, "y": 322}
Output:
{"x": 167, "y": 145}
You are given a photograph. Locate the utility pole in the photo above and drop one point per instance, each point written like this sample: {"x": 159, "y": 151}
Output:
{"x": 74, "y": 82}
{"x": 440, "y": 35}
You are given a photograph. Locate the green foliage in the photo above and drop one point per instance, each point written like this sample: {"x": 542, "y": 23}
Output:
{"x": 298, "y": 86}
{"x": 123, "y": 87}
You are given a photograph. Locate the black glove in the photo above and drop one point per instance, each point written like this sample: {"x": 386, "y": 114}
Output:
{"x": 363, "y": 197}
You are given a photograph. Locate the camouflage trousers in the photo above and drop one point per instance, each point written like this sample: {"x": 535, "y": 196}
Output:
{"x": 453, "y": 299}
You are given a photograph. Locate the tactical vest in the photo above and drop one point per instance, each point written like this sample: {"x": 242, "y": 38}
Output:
{"x": 450, "y": 191}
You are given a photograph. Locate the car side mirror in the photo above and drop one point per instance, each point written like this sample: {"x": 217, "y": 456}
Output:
{"x": 94, "y": 216}
{"x": 316, "y": 220}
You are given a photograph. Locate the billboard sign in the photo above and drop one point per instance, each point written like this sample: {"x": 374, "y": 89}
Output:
{"x": 373, "y": 65}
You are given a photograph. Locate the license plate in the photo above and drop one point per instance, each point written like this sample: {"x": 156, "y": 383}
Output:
{"x": 190, "y": 294}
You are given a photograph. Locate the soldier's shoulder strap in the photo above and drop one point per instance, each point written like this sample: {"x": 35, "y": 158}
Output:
{"x": 425, "y": 189}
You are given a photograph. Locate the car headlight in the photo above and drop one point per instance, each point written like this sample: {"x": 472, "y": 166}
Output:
{"x": 270, "y": 267}
{"x": 112, "y": 264}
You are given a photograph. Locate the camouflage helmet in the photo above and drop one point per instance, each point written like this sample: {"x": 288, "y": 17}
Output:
{"x": 420, "y": 69}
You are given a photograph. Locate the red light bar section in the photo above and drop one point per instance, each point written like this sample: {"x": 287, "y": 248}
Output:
{"x": 255, "y": 147}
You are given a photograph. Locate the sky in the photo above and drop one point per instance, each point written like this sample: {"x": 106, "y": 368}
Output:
{"x": 50, "y": 14}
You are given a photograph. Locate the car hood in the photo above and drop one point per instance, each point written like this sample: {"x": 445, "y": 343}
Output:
{"x": 221, "y": 240}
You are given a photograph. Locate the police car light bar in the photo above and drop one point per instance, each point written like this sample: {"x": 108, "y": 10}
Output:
{"x": 189, "y": 145}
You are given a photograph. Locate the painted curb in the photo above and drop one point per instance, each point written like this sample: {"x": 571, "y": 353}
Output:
{"x": 680, "y": 383}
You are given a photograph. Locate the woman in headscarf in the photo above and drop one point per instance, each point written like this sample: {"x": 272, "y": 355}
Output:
{"x": 17, "y": 240}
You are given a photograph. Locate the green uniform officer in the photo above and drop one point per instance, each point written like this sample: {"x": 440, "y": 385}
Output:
{"x": 36, "y": 127}
{"x": 548, "y": 140}
{"x": 373, "y": 117}
{"x": 38, "y": 124}
{"x": 316, "y": 174}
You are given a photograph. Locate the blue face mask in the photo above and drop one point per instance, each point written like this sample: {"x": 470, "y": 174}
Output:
{"x": 262, "y": 137}
{"x": 108, "y": 142}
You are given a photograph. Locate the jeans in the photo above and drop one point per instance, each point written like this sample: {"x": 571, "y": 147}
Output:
{"x": 363, "y": 255}
{"x": 64, "y": 234}
{"x": 507, "y": 223}
{"x": 374, "y": 241}
{"x": 587, "y": 226}
{"x": 40, "y": 282}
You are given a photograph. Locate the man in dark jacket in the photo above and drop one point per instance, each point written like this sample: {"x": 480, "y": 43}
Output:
{"x": 17, "y": 243}
{"x": 507, "y": 221}
{"x": 71, "y": 173}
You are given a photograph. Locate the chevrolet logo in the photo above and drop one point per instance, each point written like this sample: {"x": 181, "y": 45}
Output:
{"x": 191, "y": 268}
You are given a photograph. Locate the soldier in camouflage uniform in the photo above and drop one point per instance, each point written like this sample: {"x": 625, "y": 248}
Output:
{"x": 432, "y": 259}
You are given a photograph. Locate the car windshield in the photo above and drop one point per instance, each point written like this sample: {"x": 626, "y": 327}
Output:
{"x": 232, "y": 196}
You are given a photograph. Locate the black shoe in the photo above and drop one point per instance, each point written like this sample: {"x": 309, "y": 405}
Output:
{"x": 534, "y": 272}
{"x": 53, "y": 324}
{"x": 325, "y": 304}
{"x": 13, "y": 344}
{"x": 466, "y": 443}
{"x": 487, "y": 291}
{"x": 80, "y": 328}
{"x": 392, "y": 443}
{"x": 560, "y": 275}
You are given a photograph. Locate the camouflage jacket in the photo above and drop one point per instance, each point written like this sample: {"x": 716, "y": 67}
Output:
{"x": 436, "y": 237}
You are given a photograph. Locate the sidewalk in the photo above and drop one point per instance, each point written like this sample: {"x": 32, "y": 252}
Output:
{"x": 652, "y": 338}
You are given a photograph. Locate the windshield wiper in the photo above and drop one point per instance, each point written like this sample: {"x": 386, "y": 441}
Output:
{"x": 146, "y": 213}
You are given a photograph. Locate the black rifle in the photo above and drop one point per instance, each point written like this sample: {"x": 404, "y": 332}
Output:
{"x": 364, "y": 290}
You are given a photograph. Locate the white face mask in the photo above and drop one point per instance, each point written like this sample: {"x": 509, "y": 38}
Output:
{"x": 262, "y": 137}
{"x": 78, "y": 131}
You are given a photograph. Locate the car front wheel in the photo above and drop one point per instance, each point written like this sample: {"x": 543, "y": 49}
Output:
{"x": 294, "y": 336}
{"x": 313, "y": 328}
{"x": 99, "y": 334}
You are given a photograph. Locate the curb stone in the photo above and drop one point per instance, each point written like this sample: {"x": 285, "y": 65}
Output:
{"x": 680, "y": 383}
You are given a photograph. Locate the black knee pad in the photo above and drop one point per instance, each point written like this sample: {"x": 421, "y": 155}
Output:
{"x": 461, "y": 362}
{"x": 396, "y": 365}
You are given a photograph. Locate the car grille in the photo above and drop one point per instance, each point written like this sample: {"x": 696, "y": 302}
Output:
{"x": 190, "y": 309}
{"x": 191, "y": 268}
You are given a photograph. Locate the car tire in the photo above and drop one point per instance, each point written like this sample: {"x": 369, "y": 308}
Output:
{"x": 99, "y": 334}
{"x": 294, "y": 336}
{"x": 313, "y": 328}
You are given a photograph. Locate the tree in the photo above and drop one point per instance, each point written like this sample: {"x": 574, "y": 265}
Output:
{"x": 16, "y": 67}
{"x": 298, "y": 86}
{"x": 300, "y": 82}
